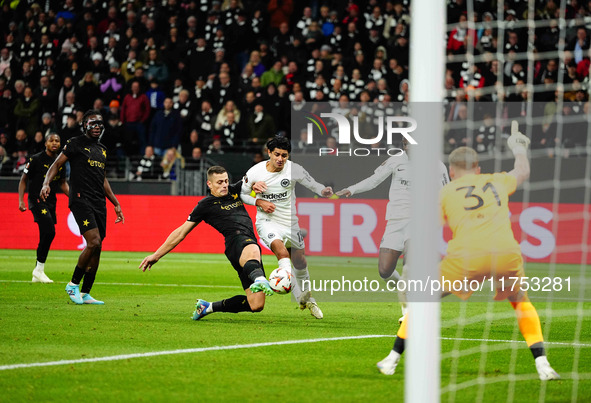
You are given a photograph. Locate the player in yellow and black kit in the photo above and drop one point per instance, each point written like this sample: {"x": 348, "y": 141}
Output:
{"x": 476, "y": 208}
{"x": 43, "y": 211}
{"x": 88, "y": 188}
{"x": 225, "y": 212}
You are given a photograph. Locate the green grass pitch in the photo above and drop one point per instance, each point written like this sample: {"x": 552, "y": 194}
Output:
{"x": 150, "y": 312}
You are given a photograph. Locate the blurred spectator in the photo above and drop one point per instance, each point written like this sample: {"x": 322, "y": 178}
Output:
{"x": 26, "y": 111}
{"x": 230, "y": 131}
{"x": 192, "y": 142}
{"x": 112, "y": 84}
{"x": 68, "y": 86}
{"x": 204, "y": 123}
{"x": 155, "y": 68}
{"x": 260, "y": 125}
{"x": 135, "y": 112}
{"x": 279, "y": 12}
{"x": 38, "y": 143}
{"x": 71, "y": 129}
{"x": 148, "y": 166}
{"x": 221, "y": 119}
{"x": 47, "y": 126}
{"x": 215, "y": 147}
{"x": 87, "y": 91}
{"x": 156, "y": 96}
{"x": 193, "y": 163}
{"x": 165, "y": 129}
{"x": 169, "y": 163}
{"x": 130, "y": 65}
{"x": 47, "y": 96}
{"x": 273, "y": 75}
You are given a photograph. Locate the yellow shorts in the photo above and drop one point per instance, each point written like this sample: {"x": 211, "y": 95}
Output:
{"x": 481, "y": 268}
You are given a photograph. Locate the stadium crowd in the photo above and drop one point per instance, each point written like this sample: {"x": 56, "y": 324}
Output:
{"x": 185, "y": 79}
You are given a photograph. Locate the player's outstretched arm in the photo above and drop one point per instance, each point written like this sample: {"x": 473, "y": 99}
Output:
{"x": 171, "y": 242}
{"x": 51, "y": 173}
{"x": 344, "y": 192}
{"x": 22, "y": 185}
{"x": 518, "y": 143}
{"x": 113, "y": 199}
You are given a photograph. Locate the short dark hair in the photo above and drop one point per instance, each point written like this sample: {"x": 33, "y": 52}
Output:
{"x": 48, "y": 135}
{"x": 216, "y": 169}
{"x": 89, "y": 113}
{"x": 282, "y": 143}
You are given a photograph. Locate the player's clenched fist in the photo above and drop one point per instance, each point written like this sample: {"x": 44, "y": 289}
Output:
{"x": 518, "y": 143}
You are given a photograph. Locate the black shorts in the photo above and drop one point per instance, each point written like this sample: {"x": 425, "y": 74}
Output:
{"x": 89, "y": 217}
{"x": 43, "y": 213}
{"x": 234, "y": 248}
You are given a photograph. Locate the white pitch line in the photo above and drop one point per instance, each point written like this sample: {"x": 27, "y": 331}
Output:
{"x": 142, "y": 284}
{"x": 554, "y": 343}
{"x": 184, "y": 351}
{"x": 245, "y": 346}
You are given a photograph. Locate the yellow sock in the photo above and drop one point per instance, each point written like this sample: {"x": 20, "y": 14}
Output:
{"x": 529, "y": 322}
{"x": 403, "y": 326}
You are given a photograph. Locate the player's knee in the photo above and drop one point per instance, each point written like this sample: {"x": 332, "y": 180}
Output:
{"x": 94, "y": 243}
{"x": 299, "y": 263}
{"x": 386, "y": 271}
{"x": 257, "y": 306}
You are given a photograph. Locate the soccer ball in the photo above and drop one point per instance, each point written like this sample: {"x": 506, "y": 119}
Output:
{"x": 280, "y": 280}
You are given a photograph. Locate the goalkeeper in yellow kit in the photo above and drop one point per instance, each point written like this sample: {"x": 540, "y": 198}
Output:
{"x": 476, "y": 208}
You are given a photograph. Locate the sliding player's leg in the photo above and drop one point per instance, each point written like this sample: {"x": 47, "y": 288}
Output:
{"x": 245, "y": 257}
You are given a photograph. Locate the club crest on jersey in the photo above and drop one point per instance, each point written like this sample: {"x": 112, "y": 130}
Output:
{"x": 285, "y": 183}
{"x": 271, "y": 235}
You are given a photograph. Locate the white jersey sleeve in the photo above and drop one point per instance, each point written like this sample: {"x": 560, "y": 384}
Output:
{"x": 379, "y": 175}
{"x": 299, "y": 174}
{"x": 246, "y": 190}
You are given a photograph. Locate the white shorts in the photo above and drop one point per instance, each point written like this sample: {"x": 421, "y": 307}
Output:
{"x": 396, "y": 234}
{"x": 270, "y": 231}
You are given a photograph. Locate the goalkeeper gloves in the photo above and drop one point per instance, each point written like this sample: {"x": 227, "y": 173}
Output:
{"x": 517, "y": 142}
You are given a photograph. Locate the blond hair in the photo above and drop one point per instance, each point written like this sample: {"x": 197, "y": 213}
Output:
{"x": 464, "y": 158}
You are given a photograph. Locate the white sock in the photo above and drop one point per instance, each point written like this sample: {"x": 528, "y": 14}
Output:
{"x": 40, "y": 267}
{"x": 393, "y": 277}
{"x": 260, "y": 278}
{"x": 70, "y": 283}
{"x": 542, "y": 360}
{"x": 301, "y": 276}
{"x": 209, "y": 308}
{"x": 285, "y": 263}
{"x": 393, "y": 356}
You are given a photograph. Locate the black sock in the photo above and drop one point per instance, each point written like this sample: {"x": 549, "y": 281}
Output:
{"x": 398, "y": 345}
{"x": 238, "y": 303}
{"x": 46, "y": 235}
{"x": 253, "y": 269}
{"x": 537, "y": 349}
{"x": 88, "y": 281}
{"x": 78, "y": 274}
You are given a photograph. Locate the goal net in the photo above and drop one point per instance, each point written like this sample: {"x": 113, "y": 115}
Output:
{"x": 504, "y": 61}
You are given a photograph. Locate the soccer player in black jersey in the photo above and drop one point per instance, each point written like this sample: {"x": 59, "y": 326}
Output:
{"x": 88, "y": 188}
{"x": 43, "y": 211}
{"x": 224, "y": 211}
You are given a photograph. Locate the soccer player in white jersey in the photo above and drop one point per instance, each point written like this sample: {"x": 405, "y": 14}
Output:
{"x": 276, "y": 220}
{"x": 395, "y": 238}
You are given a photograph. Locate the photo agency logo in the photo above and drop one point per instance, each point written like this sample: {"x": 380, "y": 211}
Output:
{"x": 394, "y": 128}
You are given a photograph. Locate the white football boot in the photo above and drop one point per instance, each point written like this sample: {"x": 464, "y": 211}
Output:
{"x": 306, "y": 301}
{"x": 388, "y": 365}
{"x": 545, "y": 371}
{"x": 40, "y": 277}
